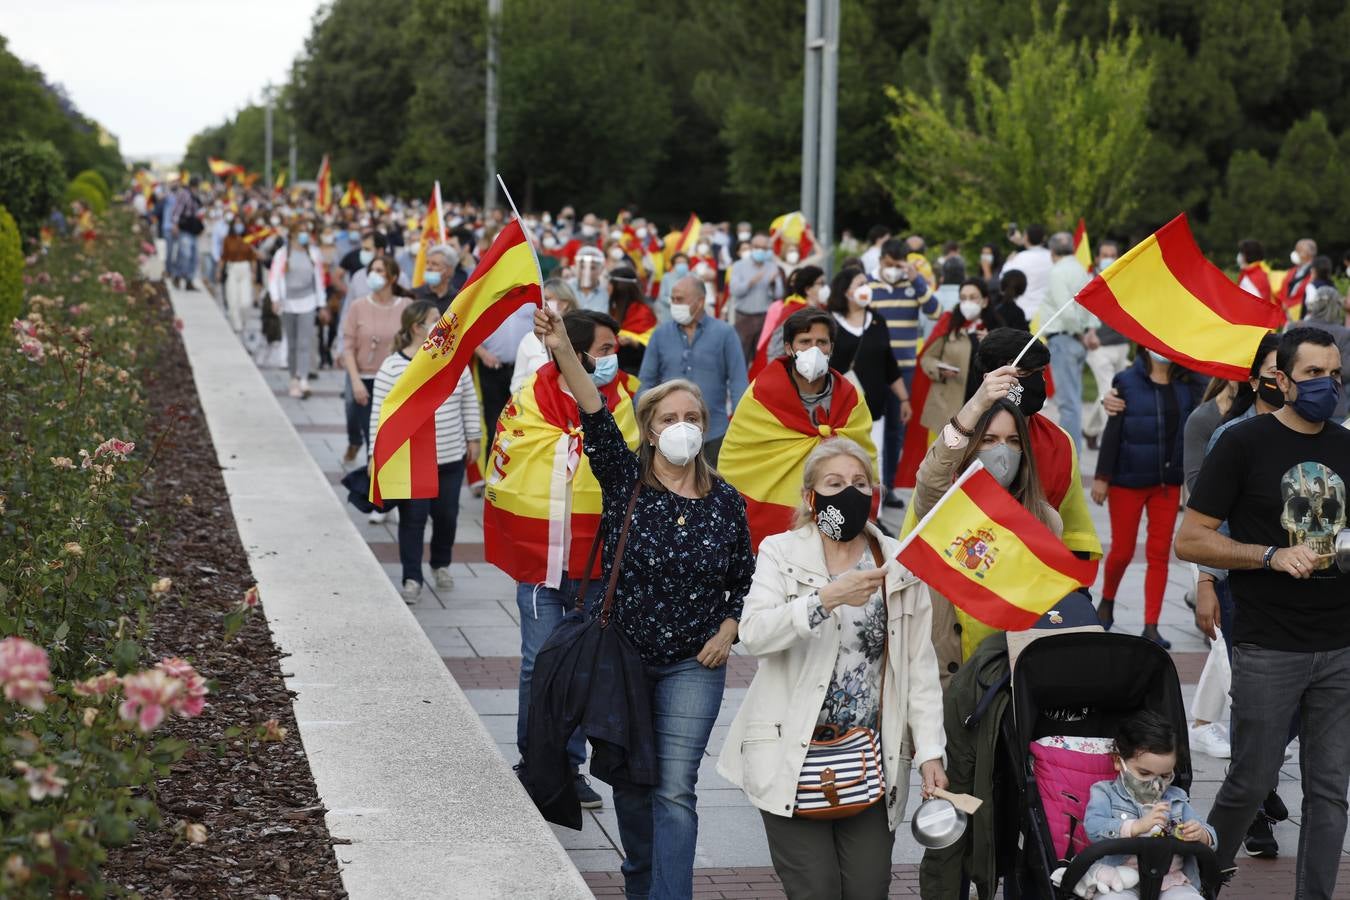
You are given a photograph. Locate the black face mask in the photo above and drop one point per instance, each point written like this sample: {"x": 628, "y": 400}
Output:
{"x": 842, "y": 516}
{"x": 1268, "y": 390}
{"x": 1029, "y": 395}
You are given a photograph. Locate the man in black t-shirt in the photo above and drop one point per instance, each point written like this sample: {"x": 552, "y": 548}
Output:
{"x": 1280, "y": 482}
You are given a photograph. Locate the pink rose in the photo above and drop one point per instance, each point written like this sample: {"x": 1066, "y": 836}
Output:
{"x": 25, "y": 673}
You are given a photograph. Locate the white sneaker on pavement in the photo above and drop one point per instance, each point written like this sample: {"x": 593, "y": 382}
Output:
{"x": 294, "y": 390}
{"x": 377, "y": 518}
{"x": 1211, "y": 739}
{"x": 444, "y": 580}
{"x": 411, "y": 591}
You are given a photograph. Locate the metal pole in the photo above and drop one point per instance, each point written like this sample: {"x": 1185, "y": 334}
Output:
{"x": 267, "y": 136}
{"x": 811, "y": 109}
{"x": 829, "y": 94}
{"x": 294, "y": 153}
{"x": 490, "y": 132}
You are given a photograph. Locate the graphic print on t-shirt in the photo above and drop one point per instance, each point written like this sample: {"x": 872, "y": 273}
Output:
{"x": 1314, "y": 508}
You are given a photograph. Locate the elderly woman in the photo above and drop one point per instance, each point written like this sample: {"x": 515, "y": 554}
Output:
{"x": 559, "y": 297}
{"x": 842, "y": 632}
{"x": 684, "y": 574}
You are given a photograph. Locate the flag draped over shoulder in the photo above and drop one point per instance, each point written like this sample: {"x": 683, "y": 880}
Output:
{"x": 990, "y": 557}
{"x": 770, "y": 437}
{"x": 1165, "y": 295}
{"x": 543, "y": 503}
{"x": 1082, "y": 247}
{"x": 323, "y": 197}
{"x": 505, "y": 279}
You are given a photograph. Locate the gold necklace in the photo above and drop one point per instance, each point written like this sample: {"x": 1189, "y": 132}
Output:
{"x": 680, "y": 507}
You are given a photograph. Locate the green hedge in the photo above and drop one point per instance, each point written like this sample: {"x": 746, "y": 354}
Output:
{"x": 11, "y": 269}
{"x": 87, "y": 194}
{"x": 97, "y": 181}
{"x": 32, "y": 182}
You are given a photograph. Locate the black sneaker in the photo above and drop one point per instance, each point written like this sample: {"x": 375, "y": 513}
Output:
{"x": 1260, "y": 840}
{"x": 893, "y": 500}
{"x": 1151, "y": 632}
{"x": 1275, "y": 807}
{"x": 586, "y": 794}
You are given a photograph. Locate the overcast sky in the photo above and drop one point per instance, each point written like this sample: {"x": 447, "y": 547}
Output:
{"x": 155, "y": 72}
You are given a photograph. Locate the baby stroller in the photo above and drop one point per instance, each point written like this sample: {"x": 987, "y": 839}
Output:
{"x": 1080, "y": 686}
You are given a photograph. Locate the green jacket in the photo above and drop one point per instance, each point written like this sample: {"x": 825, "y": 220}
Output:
{"x": 971, "y": 757}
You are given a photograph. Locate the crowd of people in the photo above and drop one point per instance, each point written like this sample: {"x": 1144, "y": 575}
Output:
{"x": 724, "y": 418}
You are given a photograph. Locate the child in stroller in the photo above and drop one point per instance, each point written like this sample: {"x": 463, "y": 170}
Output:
{"x": 1142, "y": 802}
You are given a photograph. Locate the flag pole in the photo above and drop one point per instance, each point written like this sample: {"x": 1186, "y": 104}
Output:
{"x": 1040, "y": 331}
{"x": 529, "y": 238}
{"x": 440, "y": 212}
{"x": 975, "y": 466}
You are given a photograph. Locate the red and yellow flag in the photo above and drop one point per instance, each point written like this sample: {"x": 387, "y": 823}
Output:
{"x": 323, "y": 195}
{"x": 791, "y": 228}
{"x": 990, "y": 557}
{"x": 433, "y": 227}
{"x": 378, "y": 202}
{"x": 543, "y": 503}
{"x": 687, "y": 239}
{"x": 770, "y": 437}
{"x": 1082, "y": 247}
{"x": 505, "y": 279}
{"x": 1165, "y": 295}
{"x": 222, "y": 169}
{"x": 279, "y": 183}
{"x": 353, "y": 196}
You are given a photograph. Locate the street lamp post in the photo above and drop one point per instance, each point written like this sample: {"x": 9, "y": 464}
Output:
{"x": 267, "y": 134}
{"x": 819, "y": 119}
{"x": 490, "y": 129}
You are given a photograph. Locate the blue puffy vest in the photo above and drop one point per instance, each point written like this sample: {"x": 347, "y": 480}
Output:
{"x": 1143, "y": 460}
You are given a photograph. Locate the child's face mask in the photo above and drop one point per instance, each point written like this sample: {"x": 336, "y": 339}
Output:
{"x": 1145, "y": 791}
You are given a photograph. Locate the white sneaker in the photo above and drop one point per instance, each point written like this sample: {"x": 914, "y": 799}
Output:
{"x": 304, "y": 388}
{"x": 295, "y": 388}
{"x": 377, "y": 518}
{"x": 444, "y": 580}
{"x": 411, "y": 591}
{"x": 1211, "y": 739}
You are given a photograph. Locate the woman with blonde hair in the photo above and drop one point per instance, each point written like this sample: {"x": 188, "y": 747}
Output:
{"x": 684, "y": 572}
{"x": 843, "y": 636}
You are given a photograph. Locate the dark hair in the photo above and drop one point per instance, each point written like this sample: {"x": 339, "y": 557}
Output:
{"x": 1145, "y": 732}
{"x": 413, "y": 313}
{"x": 1026, "y": 487}
{"x": 381, "y": 242}
{"x": 1322, "y": 267}
{"x": 950, "y": 247}
{"x": 391, "y": 273}
{"x": 1245, "y": 395}
{"x": 1251, "y": 250}
{"x": 989, "y": 316}
{"x": 465, "y": 238}
{"x": 1296, "y": 337}
{"x": 1012, "y": 284}
{"x": 581, "y": 325}
{"x": 1271, "y": 341}
{"x": 624, "y": 291}
{"x": 1035, "y": 235}
{"x": 803, "y": 278}
{"x": 953, "y": 270}
{"x": 678, "y": 254}
{"x": 876, "y": 233}
{"x": 1108, "y": 243}
{"x": 801, "y": 321}
{"x": 895, "y": 249}
{"x": 838, "y": 301}
{"x": 1001, "y": 346}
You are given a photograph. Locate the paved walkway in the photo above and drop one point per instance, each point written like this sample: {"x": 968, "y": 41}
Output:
{"x": 475, "y": 629}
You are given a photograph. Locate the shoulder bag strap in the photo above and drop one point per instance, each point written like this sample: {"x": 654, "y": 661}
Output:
{"x": 886, "y": 626}
{"x": 618, "y": 557}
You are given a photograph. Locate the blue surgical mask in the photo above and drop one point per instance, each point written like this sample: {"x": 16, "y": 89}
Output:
{"x": 606, "y": 367}
{"x": 303, "y": 239}
{"x": 366, "y": 257}
{"x": 759, "y": 255}
{"x": 432, "y": 277}
{"x": 1159, "y": 358}
{"x": 680, "y": 270}
{"x": 238, "y": 228}
{"x": 1317, "y": 398}
{"x": 375, "y": 281}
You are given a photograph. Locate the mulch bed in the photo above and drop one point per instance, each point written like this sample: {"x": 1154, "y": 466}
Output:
{"x": 266, "y": 835}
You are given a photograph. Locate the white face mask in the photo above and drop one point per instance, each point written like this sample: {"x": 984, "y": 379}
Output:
{"x": 863, "y": 296}
{"x": 792, "y": 257}
{"x": 1293, "y": 258}
{"x": 682, "y": 314}
{"x": 812, "y": 363}
{"x": 987, "y": 258}
{"x": 616, "y": 253}
{"x": 680, "y": 443}
{"x": 892, "y": 274}
{"x": 970, "y": 309}
{"x": 823, "y": 293}
{"x": 742, "y": 235}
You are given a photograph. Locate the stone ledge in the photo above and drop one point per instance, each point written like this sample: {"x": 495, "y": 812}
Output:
{"x": 409, "y": 774}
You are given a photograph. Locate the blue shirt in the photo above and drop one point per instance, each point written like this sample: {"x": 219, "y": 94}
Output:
{"x": 505, "y": 341}
{"x": 713, "y": 360}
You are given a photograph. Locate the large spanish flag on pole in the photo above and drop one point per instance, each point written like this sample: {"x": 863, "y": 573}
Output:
{"x": 1082, "y": 247}
{"x": 505, "y": 279}
{"x": 990, "y": 557}
{"x": 687, "y": 239}
{"x": 1165, "y": 295}
{"x": 770, "y": 437}
{"x": 222, "y": 169}
{"x": 543, "y": 503}
{"x": 323, "y": 195}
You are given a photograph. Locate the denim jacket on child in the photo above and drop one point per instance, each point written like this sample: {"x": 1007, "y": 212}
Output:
{"x": 1109, "y": 806}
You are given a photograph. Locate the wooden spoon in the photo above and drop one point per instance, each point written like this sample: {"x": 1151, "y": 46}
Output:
{"x": 964, "y": 802}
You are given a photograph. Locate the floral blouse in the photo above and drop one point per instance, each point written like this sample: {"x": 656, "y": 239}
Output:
{"x": 679, "y": 580}
{"x": 854, "y": 695}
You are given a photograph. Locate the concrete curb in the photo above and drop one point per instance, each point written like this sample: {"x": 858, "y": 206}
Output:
{"x": 408, "y": 772}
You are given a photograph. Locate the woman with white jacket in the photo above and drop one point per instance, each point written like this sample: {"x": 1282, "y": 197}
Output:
{"x": 824, "y": 622}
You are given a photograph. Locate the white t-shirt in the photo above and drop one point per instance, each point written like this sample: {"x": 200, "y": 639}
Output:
{"x": 1035, "y": 263}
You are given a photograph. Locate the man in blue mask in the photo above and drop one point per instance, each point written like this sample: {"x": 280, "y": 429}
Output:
{"x": 1280, "y": 482}
{"x": 754, "y": 285}
{"x": 438, "y": 281}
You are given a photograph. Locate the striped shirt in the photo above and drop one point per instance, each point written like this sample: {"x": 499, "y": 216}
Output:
{"x": 458, "y": 419}
{"x": 899, "y": 304}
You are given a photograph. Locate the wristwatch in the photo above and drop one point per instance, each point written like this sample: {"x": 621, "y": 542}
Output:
{"x": 1267, "y": 557}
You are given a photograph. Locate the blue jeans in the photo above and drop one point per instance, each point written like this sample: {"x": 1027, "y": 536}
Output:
{"x": 893, "y": 434}
{"x": 358, "y": 416}
{"x": 659, "y": 826}
{"x": 541, "y": 609}
{"x": 170, "y": 252}
{"x": 186, "y": 260}
{"x": 443, "y": 510}
{"x": 1267, "y": 684}
{"x": 1067, "y": 356}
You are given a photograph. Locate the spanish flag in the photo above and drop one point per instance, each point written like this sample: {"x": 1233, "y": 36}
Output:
{"x": 378, "y": 202}
{"x": 1165, "y": 295}
{"x": 687, "y": 239}
{"x": 353, "y": 196}
{"x": 279, "y": 183}
{"x": 433, "y": 226}
{"x": 993, "y": 559}
{"x": 543, "y": 502}
{"x": 323, "y": 195}
{"x": 770, "y": 437}
{"x": 505, "y": 279}
{"x": 1082, "y": 247}
{"x": 222, "y": 169}
{"x": 792, "y": 228}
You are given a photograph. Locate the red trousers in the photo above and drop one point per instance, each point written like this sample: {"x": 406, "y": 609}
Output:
{"x": 1127, "y": 506}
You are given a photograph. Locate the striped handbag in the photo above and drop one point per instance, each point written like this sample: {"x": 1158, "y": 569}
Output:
{"x": 842, "y": 775}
